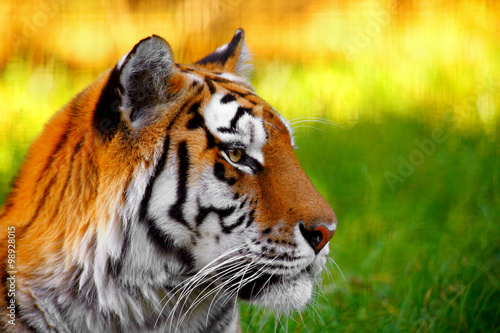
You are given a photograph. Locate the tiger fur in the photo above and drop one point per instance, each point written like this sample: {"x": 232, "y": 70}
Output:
{"x": 158, "y": 197}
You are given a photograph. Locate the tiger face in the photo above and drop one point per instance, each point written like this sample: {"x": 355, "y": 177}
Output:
{"x": 182, "y": 194}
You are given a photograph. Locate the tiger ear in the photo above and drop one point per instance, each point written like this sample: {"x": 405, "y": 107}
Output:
{"x": 233, "y": 57}
{"x": 138, "y": 83}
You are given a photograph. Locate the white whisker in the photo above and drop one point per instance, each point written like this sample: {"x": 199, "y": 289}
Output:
{"x": 315, "y": 120}
{"x": 266, "y": 318}
{"x": 345, "y": 281}
{"x": 187, "y": 286}
{"x": 306, "y": 126}
{"x": 202, "y": 295}
{"x": 259, "y": 311}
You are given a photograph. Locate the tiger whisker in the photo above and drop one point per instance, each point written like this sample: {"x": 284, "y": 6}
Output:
{"x": 267, "y": 281}
{"x": 266, "y": 318}
{"x": 321, "y": 294}
{"x": 197, "y": 277}
{"x": 281, "y": 324}
{"x": 225, "y": 283}
{"x": 259, "y": 273}
{"x": 239, "y": 288}
{"x": 303, "y": 322}
{"x": 272, "y": 125}
{"x": 253, "y": 317}
{"x": 304, "y": 126}
{"x": 203, "y": 296}
{"x": 317, "y": 313}
{"x": 201, "y": 273}
{"x": 327, "y": 270}
{"x": 345, "y": 281}
{"x": 317, "y": 120}
{"x": 197, "y": 282}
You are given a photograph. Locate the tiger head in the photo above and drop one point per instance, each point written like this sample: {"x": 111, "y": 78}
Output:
{"x": 179, "y": 178}
{"x": 227, "y": 189}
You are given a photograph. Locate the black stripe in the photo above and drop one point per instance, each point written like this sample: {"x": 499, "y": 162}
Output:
{"x": 143, "y": 210}
{"x": 176, "y": 211}
{"x": 229, "y": 229}
{"x": 221, "y": 212}
{"x": 220, "y": 174}
{"x": 224, "y": 212}
{"x": 239, "y": 113}
{"x": 107, "y": 114}
{"x": 52, "y": 156}
{"x": 232, "y": 125}
{"x": 13, "y": 187}
{"x": 236, "y": 92}
{"x": 194, "y": 108}
{"x": 222, "y": 56}
{"x": 45, "y": 170}
{"x": 125, "y": 246}
{"x": 164, "y": 243}
{"x": 252, "y": 163}
{"x": 228, "y": 98}
{"x": 115, "y": 265}
{"x": 210, "y": 85}
{"x": 40, "y": 206}
{"x": 242, "y": 203}
{"x": 219, "y": 171}
{"x": 251, "y": 217}
{"x": 68, "y": 178}
{"x": 219, "y": 79}
{"x": 202, "y": 213}
{"x": 197, "y": 121}
{"x": 211, "y": 141}
{"x": 7, "y": 207}
{"x": 182, "y": 108}
{"x": 241, "y": 94}
{"x": 153, "y": 232}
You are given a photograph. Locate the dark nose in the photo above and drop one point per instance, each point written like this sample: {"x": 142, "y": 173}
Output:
{"x": 317, "y": 237}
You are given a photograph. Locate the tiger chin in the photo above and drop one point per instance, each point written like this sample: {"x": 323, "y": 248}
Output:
{"x": 158, "y": 197}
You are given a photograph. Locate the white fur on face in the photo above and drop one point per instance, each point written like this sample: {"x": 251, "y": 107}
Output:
{"x": 249, "y": 131}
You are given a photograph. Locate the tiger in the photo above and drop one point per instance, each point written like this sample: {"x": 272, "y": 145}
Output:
{"x": 157, "y": 199}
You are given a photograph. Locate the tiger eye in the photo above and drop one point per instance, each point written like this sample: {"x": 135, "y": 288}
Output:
{"x": 235, "y": 155}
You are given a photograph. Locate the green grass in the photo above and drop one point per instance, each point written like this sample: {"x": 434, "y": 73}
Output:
{"x": 424, "y": 257}
{"x": 420, "y": 255}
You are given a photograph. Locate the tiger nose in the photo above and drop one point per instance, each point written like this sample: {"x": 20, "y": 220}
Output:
{"x": 317, "y": 237}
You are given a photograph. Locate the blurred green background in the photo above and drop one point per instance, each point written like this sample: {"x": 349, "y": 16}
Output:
{"x": 406, "y": 151}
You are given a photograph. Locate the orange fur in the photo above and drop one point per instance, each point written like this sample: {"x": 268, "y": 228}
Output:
{"x": 73, "y": 183}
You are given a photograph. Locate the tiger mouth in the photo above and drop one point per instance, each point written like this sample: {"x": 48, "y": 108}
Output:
{"x": 258, "y": 286}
